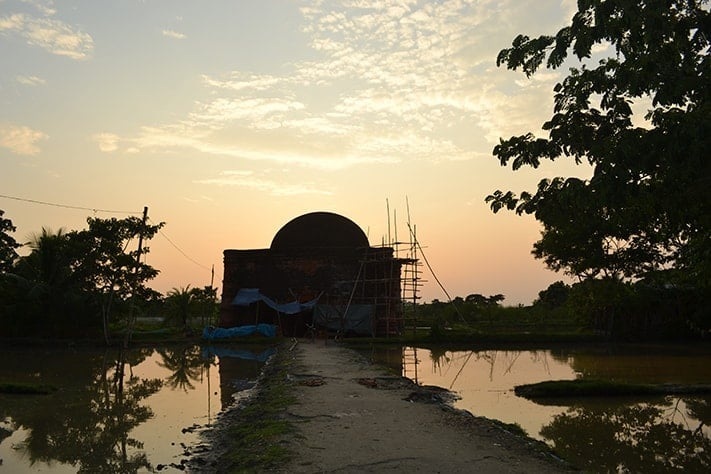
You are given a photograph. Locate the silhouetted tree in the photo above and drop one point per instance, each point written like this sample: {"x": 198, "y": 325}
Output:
{"x": 180, "y": 306}
{"x": 107, "y": 268}
{"x": 44, "y": 293}
{"x": 646, "y": 208}
{"x": 8, "y": 244}
{"x": 554, "y": 296}
{"x": 69, "y": 276}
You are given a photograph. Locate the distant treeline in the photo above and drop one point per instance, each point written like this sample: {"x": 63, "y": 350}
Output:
{"x": 609, "y": 308}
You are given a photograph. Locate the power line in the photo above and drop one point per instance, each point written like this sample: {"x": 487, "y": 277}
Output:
{"x": 183, "y": 253}
{"x": 66, "y": 206}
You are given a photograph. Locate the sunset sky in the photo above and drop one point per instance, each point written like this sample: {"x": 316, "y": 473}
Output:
{"x": 229, "y": 118}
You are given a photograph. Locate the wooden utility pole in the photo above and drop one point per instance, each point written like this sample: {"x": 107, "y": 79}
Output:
{"x": 140, "y": 236}
{"x": 131, "y": 318}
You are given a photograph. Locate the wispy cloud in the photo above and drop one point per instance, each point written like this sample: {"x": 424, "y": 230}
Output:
{"x": 248, "y": 179}
{"x": 30, "y": 80}
{"x": 20, "y": 139}
{"x": 199, "y": 199}
{"x": 240, "y": 81}
{"x": 108, "y": 142}
{"x": 169, "y": 138}
{"x": 253, "y": 109}
{"x": 173, "y": 34}
{"x": 46, "y": 7}
{"x": 49, "y": 34}
{"x": 386, "y": 83}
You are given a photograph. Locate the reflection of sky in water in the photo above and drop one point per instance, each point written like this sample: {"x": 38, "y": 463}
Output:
{"x": 484, "y": 381}
{"x": 195, "y": 388}
{"x": 15, "y": 462}
{"x": 589, "y": 431}
{"x": 176, "y": 408}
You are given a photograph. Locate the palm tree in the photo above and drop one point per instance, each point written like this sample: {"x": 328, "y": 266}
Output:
{"x": 179, "y": 305}
{"x": 47, "y": 264}
{"x": 44, "y": 277}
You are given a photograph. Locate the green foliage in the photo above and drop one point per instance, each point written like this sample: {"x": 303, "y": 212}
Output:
{"x": 254, "y": 437}
{"x": 555, "y": 296}
{"x": 646, "y": 208}
{"x": 7, "y": 244}
{"x": 104, "y": 261}
{"x": 179, "y": 304}
{"x": 43, "y": 294}
{"x": 641, "y": 310}
{"x": 26, "y": 389}
{"x": 603, "y": 388}
{"x": 481, "y": 300}
{"x": 183, "y": 305}
{"x": 71, "y": 283}
{"x": 479, "y": 318}
{"x": 602, "y": 308}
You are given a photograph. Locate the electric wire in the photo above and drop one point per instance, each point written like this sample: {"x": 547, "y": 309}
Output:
{"x": 108, "y": 211}
{"x": 424, "y": 257}
{"x": 66, "y": 206}
{"x": 183, "y": 253}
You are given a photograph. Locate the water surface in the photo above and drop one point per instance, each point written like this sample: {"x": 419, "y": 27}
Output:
{"x": 117, "y": 411}
{"x": 657, "y": 434}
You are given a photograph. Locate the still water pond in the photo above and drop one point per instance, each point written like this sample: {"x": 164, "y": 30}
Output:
{"x": 659, "y": 434}
{"x": 133, "y": 411}
{"x": 139, "y": 410}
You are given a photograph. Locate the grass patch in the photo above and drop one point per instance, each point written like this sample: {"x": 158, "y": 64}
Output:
{"x": 26, "y": 389}
{"x": 513, "y": 428}
{"x": 254, "y": 439}
{"x": 468, "y": 336}
{"x": 603, "y": 388}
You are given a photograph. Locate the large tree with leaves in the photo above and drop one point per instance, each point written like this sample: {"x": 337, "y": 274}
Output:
{"x": 646, "y": 210}
{"x": 107, "y": 265}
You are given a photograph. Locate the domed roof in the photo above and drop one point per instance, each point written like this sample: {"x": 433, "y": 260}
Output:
{"x": 319, "y": 230}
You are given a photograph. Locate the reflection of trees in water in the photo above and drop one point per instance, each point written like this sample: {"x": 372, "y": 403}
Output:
{"x": 4, "y": 433}
{"x": 701, "y": 410}
{"x": 185, "y": 363}
{"x": 89, "y": 428}
{"x": 643, "y": 437}
{"x": 442, "y": 358}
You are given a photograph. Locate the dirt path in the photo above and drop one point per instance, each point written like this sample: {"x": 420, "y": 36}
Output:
{"x": 353, "y": 417}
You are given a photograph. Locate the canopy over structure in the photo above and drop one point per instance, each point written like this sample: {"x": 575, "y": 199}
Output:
{"x": 247, "y": 296}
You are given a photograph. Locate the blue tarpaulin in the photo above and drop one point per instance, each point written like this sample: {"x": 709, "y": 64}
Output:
{"x": 211, "y": 333}
{"x": 247, "y": 296}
